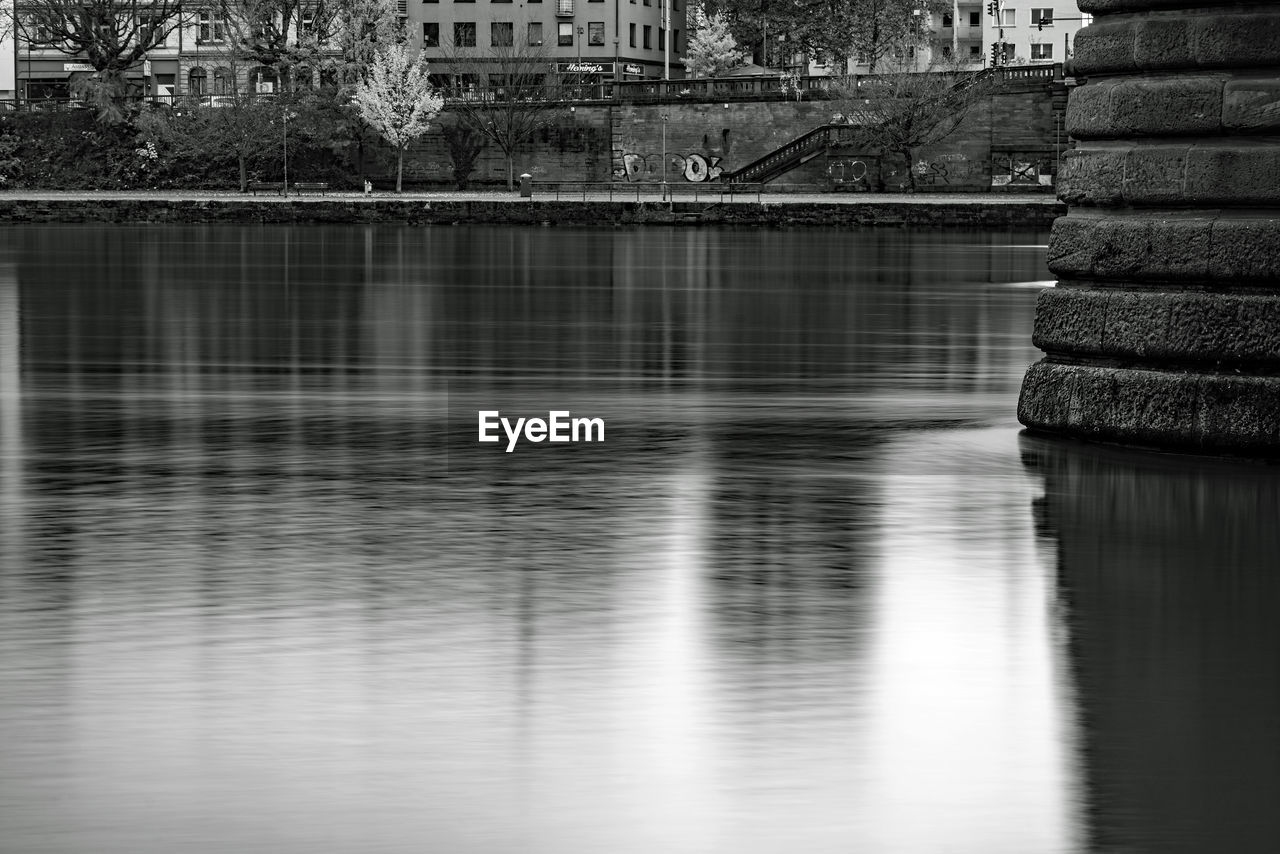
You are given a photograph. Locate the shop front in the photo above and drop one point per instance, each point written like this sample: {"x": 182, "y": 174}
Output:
{"x": 55, "y": 79}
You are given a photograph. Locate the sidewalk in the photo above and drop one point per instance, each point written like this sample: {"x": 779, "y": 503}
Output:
{"x": 709, "y": 194}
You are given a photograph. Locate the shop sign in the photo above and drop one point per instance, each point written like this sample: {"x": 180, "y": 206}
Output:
{"x": 633, "y": 68}
{"x": 76, "y": 66}
{"x": 585, "y": 67}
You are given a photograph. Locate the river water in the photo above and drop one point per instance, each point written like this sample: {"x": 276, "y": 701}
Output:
{"x": 262, "y": 589}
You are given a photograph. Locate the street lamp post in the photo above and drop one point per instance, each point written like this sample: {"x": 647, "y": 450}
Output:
{"x": 664, "y": 156}
{"x": 285, "y": 124}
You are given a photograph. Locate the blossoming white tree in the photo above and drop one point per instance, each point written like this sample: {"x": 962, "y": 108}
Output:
{"x": 712, "y": 49}
{"x": 397, "y": 99}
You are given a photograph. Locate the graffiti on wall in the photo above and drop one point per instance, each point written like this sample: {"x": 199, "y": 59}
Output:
{"x": 1021, "y": 170}
{"x": 853, "y": 173}
{"x": 693, "y": 167}
{"x": 949, "y": 169}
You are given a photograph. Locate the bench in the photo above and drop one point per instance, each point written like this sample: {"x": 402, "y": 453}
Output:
{"x": 264, "y": 186}
{"x": 312, "y": 187}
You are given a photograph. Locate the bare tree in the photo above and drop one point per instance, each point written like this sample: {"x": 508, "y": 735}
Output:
{"x": 902, "y": 111}
{"x": 506, "y": 95}
{"x": 111, "y": 35}
{"x": 282, "y": 35}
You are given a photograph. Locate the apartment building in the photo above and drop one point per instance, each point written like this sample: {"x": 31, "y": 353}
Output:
{"x": 193, "y": 59}
{"x": 40, "y": 71}
{"x": 1031, "y": 31}
{"x": 591, "y": 40}
{"x": 974, "y": 34}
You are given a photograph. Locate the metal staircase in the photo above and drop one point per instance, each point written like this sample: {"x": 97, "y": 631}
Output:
{"x": 795, "y": 153}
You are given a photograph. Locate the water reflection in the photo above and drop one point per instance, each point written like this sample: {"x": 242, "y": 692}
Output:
{"x": 1167, "y": 581}
{"x": 262, "y": 590}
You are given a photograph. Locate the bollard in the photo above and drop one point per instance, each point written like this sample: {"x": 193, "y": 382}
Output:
{"x": 526, "y": 186}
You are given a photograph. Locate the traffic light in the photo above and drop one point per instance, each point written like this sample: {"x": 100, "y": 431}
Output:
{"x": 1046, "y": 20}
{"x": 991, "y": 8}
{"x": 996, "y": 55}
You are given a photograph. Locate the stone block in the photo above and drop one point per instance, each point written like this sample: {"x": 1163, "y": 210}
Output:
{"x": 1157, "y": 106}
{"x": 1045, "y": 400}
{"x": 1072, "y": 246}
{"x": 1162, "y": 43}
{"x": 1245, "y": 250}
{"x": 1237, "y": 40}
{"x": 1236, "y": 172}
{"x": 1092, "y": 176}
{"x": 1089, "y": 110}
{"x": 1255, "y": 332}
{"x": 1251, "y": 104}
{"x": 1136, "y": 324}
{"x": 1154, "y": 174}
{"x": 1070, "y": 320}
{"x": 1106, "y": 46}
{"x": 1109, "y": 7}
{"x": 1197, "y": 326}
{"x": 1239, "y": 414}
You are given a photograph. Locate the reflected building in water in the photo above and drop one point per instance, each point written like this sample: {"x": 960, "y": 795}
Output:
{"x": 1166, "y": 573}
{"x": 797, "y": 600}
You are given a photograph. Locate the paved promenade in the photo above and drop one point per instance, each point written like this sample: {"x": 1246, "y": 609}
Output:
{"x": 707, "y": 193}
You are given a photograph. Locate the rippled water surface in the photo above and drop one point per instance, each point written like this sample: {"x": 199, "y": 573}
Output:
{"x": 261, "y": 589}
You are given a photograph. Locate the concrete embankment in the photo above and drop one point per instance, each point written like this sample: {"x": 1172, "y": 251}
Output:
{"x": 772, "y": 212}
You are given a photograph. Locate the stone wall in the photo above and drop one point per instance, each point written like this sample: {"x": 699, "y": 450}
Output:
{"x": 525, "y": 212}
{"x": 1164, "y": 328}
{"x": 1009, "y": 141}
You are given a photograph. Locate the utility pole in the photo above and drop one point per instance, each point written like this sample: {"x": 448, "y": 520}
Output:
{"x": 666, "y": 39}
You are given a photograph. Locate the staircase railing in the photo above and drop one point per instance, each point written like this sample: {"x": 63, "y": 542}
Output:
{"x": 788, "y": 156}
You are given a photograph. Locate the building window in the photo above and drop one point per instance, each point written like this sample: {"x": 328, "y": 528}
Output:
{"x": 648, "y": 40}
{"x": 464, "y": 33}
{"x": 535, "y": 34}
{"x": 564, "y": 34}
{"x": 431, "y": 34}
{"x": 975, "y": 50}
{"x": 1042, "y": 51}
{"x": 149, "y": 29}
{"x": 631, "y": 30}
{"x": 198, "y": 82}
{"x": 222, "y": 81}
{"x": 430, "y": 1}
{"x": 662, "y": 38}
{"x": 595, "y": 33}
{"x": 213, "y": 28}
{"x": 675, "y": 41}
{"x": 1008, "y": 17}
{"x": 1042, "y": 17}
{"x": 501, "y": 34}
{"x": 947, "y": 20}
{"x": 975, "y": 20}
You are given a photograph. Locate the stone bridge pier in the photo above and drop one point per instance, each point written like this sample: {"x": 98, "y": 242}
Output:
{"x": 1164, "y": 327}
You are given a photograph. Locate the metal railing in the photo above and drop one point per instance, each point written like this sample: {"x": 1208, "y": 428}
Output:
{"x": 642, "y": 191}
{"x": 620, "y": 91}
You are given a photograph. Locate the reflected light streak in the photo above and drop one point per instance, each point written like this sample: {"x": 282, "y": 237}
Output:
{"x": 11, "y": 489}
{"x": 967, "y": 720}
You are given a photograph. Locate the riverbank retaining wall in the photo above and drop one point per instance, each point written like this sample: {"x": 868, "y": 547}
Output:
{"x": 1010, "y": 140}
{"x": 525, "y": 212}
